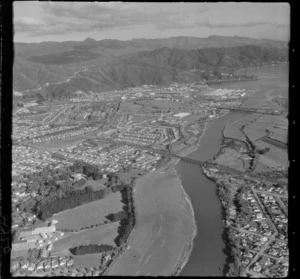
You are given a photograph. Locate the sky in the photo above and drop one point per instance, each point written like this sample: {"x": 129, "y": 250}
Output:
{"x": 64, "y": 21}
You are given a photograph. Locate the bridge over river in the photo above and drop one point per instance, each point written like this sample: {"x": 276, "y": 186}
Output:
{"x": 216, "y": 166}
{"x": 254, "y": 110}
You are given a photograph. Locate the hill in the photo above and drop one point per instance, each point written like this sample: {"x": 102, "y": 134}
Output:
{"x": 57, "y": 70}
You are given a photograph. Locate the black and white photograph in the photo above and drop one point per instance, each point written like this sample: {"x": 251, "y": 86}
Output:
{"x": 150, "y": 139}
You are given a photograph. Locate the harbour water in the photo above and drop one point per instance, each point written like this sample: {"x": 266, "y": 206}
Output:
{"x": 207, "y": 257}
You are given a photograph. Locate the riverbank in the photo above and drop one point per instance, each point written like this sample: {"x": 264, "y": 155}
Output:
{"x": 189, "y": 244}
{"x": 228, "y": 269}
{"x": 163, "y": 231}
{"x": 189, "y": 248}
{"x": 230, "y": 80}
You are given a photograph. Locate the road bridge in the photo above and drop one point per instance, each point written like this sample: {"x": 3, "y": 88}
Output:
{"x": 207, "y": 164}
{"x": 254, "y": 110}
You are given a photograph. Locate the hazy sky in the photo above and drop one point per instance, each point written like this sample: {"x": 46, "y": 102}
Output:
{"x": 62, "y": 21}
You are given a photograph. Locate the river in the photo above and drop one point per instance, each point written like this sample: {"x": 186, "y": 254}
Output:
{"x": 207, "y": 257}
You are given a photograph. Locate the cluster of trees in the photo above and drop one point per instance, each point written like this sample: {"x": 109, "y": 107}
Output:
{"x": 70, "y": 200}
{"x": 224, "y": 195}
{"x": 263, "y": 150}
{"x": 117, "y": 188}
{"x": 52, "y": 183}
{"x": 207, "y": 75}
{"x": 234, "y": 254}
{"x": 32, "y": 255}
{"x": 115, "y": 217}
{"x": 90, "y": 249}
{"x": 243, "y": 210}
{"x": 91, "y": 171}
{"x": 83, "y": 228}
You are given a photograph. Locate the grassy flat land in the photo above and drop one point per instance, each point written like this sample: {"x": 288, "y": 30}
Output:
{"x": 279, "y": 134}
{"x": 164, "y": 227}
{"x": 257, "y": 129}
{"x": 275, "y": 157}
{"x": 232, "y": 131}
{"x": 255, "y": 132}
{"x": 160, "y": 104}
{"x": 101, "y": 235}
{"x": 232, "y": 158}
{"x": 129, "y": 107}
{"x": 87, "y": 261}
{"x": 89, "y": 214}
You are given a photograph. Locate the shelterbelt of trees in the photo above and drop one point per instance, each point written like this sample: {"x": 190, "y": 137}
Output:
{"x": 127, "y": 221}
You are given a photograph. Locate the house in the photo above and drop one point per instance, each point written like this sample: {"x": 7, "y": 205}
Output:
{"x": 14, "y": 265}
{"x": 96, "y": 273}
{"x": 47, "y": 265}
{"x": 54, "y": 264}
{"x": 24, "y": 264}
{"x": 31, "y": 267}
{"x": 62, "y": 262}
{"x": 70, "y": 262}
{"x": 40, "y": 266}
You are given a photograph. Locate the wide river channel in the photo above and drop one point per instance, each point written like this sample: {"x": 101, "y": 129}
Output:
{"x": 207, "y": 257}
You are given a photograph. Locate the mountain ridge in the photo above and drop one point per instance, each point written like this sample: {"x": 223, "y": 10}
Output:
{"x": 89, "y": 66}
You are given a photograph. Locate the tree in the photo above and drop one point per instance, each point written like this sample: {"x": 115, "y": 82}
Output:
{"x": 205, "y": 75}
{"x": 217, "y": 73}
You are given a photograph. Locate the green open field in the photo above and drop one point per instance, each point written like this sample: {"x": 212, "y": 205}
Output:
{"x": 129, "y": 107}
{"x": 89, "y": 214}
{"x": 255, "y": 132}
{"x": 87, "y": 261}
{"x": 165, "y": 104}
{"x": 101, "y": 235}
{"x": 232, "y": 158}
{"x": 275, "y": 157}
{"x": 257, "y": 129}
{"x": 279, "y": 134}
{"x": 232, "y": 131}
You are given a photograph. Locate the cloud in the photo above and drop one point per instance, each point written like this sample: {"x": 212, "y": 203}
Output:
{"x": 27, "y": 21}
{"x": 238, "y": 25}
{"x": 59, "y": 18}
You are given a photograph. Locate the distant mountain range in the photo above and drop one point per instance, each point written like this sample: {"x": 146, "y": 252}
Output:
{"x": 58, "y": 69}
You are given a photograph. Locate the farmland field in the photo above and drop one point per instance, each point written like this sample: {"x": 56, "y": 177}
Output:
{"x": 279, "y": 134}
{"x": 89, "y": 214}
{"x": 160, "y": 103}
{"x": 232, "y": 159}
{"x": 257, "y": 129}
{"x": 87, "y": 261}
{"x": 275, "y": 157}
{"x": 232, "y": 131}
{"x": 254, "y": 133}
{"x": 101, "y": 235}
{"x": 276, "y": 143}
{"x": 129, "y": 106}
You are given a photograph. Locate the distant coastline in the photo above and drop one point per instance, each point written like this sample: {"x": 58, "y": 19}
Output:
{"x": 230, "y": 80}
